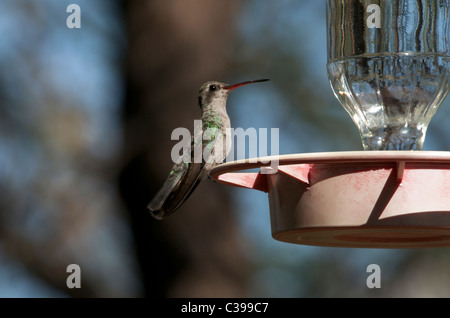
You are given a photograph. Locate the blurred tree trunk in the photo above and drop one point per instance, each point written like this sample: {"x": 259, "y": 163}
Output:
{"x": 173, "y": 47}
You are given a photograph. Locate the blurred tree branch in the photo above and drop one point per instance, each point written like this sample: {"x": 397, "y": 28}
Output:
{"x": 173, "y": 47}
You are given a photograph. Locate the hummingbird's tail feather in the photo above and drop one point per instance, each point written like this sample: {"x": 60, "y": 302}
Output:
{"x": 182, "y": 181}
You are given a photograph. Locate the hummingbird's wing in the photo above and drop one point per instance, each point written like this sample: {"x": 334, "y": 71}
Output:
{"x": 172, "y": 182}
{"x": 186, "y": 187}
{"x": 179, "y": 185}
{"x": 185, "y": 177}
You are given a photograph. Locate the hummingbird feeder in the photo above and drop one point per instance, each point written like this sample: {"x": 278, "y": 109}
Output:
{"x": 389, "y": 67}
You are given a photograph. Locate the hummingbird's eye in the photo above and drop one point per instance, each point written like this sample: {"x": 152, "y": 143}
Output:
{"x": 212, "y": 87}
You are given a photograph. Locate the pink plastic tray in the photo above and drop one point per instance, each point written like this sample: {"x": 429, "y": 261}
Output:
{"x": 379, "y": 199}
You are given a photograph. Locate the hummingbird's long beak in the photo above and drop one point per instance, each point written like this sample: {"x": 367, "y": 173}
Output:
{"x": 233, "y": 86}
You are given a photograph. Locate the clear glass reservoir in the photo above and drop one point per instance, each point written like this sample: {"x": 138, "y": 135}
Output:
{"x": 388, "y": 65}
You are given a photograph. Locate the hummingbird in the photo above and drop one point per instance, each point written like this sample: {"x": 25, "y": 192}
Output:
{"x": 187, "y": 174}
